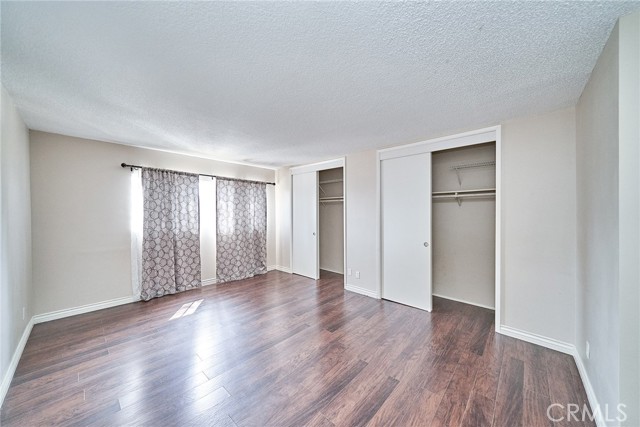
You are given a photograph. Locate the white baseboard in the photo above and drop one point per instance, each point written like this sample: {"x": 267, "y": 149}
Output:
{"x": 591, "y": 394}
{"x": 67, "y": 312}
{"x": 362, "y": 291}
{"x": 8, "y": 376}
{"x": 332, "y": 271}
{"x": 463, "y": 301}
{"x": 214, "y": 281}
{"x": 40, "y": 318}
{"x": 283, "y": 269}
{"x": 566, "y": 348}
{"x": 505, "y": 330}
{"x": 551, "y": 343}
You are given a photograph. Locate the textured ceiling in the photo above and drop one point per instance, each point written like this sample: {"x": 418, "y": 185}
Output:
{"x": 285, "y": 83}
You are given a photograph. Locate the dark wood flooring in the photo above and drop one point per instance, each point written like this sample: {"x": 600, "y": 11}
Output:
{"x": 282, "y": 350}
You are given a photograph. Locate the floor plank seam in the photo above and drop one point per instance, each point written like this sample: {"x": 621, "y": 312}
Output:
{"x": 285, "y": 351}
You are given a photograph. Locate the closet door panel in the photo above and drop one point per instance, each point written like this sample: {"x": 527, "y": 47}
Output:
{"x": 305, "y": 225}
{"x": 406, "y": 230}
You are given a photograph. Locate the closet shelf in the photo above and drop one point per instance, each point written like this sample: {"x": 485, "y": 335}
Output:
{"x": 457, "y": 168}
{"x": 331, "y": 199}
{"x": 330, "y": 181}
{"x": 474, "y": 165}
{"x": 458, "y": 195}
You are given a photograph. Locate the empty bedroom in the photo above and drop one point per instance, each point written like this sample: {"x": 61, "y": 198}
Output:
{"x": 320, "y": 213}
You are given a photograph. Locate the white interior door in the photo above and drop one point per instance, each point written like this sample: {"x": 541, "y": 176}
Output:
{"x": 304, "y": 256}
{"x": 406, "y": 230}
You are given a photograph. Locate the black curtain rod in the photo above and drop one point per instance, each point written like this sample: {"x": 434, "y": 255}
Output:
{"x": 124, "y": 165}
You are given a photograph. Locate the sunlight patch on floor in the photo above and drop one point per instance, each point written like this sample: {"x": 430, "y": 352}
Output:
{"x": 187, "y": 309}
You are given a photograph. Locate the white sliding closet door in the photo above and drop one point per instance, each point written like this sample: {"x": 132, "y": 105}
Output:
{"x": 305, "y": 225}
{"x": 406, "y": 230}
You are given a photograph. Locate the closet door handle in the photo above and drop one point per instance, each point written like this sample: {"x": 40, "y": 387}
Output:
{"x": 314, "y": 233}
{"x": 426, "y": 244}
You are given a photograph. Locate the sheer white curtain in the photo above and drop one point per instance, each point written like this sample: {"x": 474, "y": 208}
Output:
{"x": 136, "y": 232}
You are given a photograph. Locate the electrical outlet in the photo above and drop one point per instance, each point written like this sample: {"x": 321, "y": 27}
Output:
{"x": 357, "y": 274}
{"x": 348, "y": 272}
{"x": 587, "y": 350}
{"x": 24, "y": 313}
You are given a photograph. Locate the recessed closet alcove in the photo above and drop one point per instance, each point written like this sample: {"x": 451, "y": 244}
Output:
{"x": 464, "y": 218}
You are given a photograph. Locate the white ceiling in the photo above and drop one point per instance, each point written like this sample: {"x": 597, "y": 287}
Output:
{"x": 279, "y": 83}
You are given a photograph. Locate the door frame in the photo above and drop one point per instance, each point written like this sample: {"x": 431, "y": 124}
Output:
{"x": 465, "y": 139}
{"x": 317, "y": 167}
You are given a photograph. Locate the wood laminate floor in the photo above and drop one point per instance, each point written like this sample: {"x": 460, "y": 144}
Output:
{"x": 282, "y": 350}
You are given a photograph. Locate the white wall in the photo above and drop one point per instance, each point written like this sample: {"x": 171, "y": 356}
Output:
{"x": 331, "y": 223}
{"x": 360, "y": 196}
{"x": 15, "y": 235}
{"x": 463, "y": 236}
{"x": 629, "y": 214}
{"x": 283, "y": 219}
{"x": 539, "y": 224}
{"x": 81, "y": 211}
{"x": 360, "y": 176}
{"x": 608, "y": 189}
{"x": 597, "y": 218}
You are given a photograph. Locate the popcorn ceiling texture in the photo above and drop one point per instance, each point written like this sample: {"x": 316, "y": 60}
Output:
{"x": 280, "y": 83}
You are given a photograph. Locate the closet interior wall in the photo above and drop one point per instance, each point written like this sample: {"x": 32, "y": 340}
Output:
{"x": 464, "y": 230}
{"x": 331, "y": 220}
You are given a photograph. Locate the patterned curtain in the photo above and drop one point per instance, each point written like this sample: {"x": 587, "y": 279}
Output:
{"x": 170, "y": 233}
{"x": 241, "y": 242}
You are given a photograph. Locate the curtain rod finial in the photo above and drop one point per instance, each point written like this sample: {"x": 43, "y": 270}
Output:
{"x": 124, "y": 165}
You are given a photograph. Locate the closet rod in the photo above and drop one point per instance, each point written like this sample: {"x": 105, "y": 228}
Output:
{"x": 124, "y": 165}
{"x": 462, "y": 196}
{"x": 479, "y": 190}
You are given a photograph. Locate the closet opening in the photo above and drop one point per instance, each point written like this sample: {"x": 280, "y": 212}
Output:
{"x": 318, "y": 246}
{"x": 464, "y": 224}
{"x": 331, "y": 222}
{"x": 440, "y": 223}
